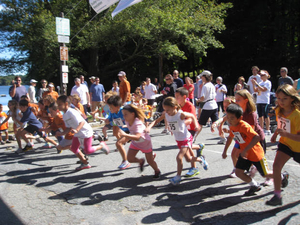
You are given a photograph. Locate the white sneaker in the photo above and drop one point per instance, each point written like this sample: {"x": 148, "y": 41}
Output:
{"x": 268, "y": 132}
{"x": 222, "y": 141}
{"x": 164, "y": 131}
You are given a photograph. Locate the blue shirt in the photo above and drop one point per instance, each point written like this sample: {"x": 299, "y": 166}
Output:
{"x": 179, "y": 82}
{"x": 21, "y": 90}
{"x": 118, "y": 119}
{"x": 29, "y": 118}
{"x": 97, "y": 92}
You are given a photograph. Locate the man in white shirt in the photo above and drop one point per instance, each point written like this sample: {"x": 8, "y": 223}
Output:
{"x": 83, "y": 92}
{"x": 150, "y": 91}
{"x": 256, "y": 77}
{"x": 31, "y": 91}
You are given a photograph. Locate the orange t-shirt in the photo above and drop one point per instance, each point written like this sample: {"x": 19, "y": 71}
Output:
{"x": 243, "y": 134}
{"x": 53, "y": 94}
{"x": 3, "y": 116}
{"x": 34, "y": 108}
{"x": 58, "y": 122}
{"x": 123, "y": 89}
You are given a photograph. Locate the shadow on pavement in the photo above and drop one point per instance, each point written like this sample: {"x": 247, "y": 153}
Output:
{"x": 7, "y": 216}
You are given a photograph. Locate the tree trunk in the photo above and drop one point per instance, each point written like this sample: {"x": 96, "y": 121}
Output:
{"x": 160, "y": 69}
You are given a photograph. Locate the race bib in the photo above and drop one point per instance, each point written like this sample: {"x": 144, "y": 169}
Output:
{"x": 284, "y": 124}
{"x": 118, "y": 122}
{"x": 238, "y": 137}
{"x": 174, "y": 126}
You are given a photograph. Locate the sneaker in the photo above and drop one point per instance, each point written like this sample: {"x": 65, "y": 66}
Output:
{"x": 199, "y": 151}
{"x": 39, "y": 140}
{"x": 105, "y": 138}
{"x": 8, "y": 141}
{"x": 59, "y": 151}
{"x": 168, "y": 132}
{"x": 268, "y": 182}
{"x": 98, "y": 137}
{"x": 47, "y": 145}
{"x": 125, "y": 164}
{"x": 164, "y": 131}
{"x": 192, "y": 172}
{"x": 204, "y": 162}
{"x": 156, "y": 175}
{"x": 253, "y": 171}
{"x": 83, "y": 166}
{"x": 222, "y": 141}
{"x": 175, "y": 180}
{"x": 19, "y": 151}
{"x": 275, "y": 200}
{"x": 104, "y": 148}
{"x": 142, "y": 165}
{"x": 252, "y": 190}
{"x": 285, "y": 179}
{"x": 2, "y": 143}
{"x": 232, "y": 175}
{"x": 27, "y": 148}
{"x": 268, "y": 132}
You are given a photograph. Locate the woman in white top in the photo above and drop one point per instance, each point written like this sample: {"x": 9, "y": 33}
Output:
{"x": 263, "y": 89}
{"x": 115, "y": 87}
{"x": 221, "y": 91}
{"x": 31, "y": 91}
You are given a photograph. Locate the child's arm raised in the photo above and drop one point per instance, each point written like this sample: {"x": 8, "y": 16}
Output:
{"x": 228, "y": 143}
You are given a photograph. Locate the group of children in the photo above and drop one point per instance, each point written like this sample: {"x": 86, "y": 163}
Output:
{"x": 128, "y": 124}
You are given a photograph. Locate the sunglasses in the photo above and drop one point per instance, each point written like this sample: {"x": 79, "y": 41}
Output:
{"x": 168, "y": 79}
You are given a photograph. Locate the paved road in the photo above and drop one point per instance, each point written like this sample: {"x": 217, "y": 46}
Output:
{"x": 41, "y": 187}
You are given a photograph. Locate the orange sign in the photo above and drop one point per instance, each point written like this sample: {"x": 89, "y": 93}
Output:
{"x": 63, "y": 53}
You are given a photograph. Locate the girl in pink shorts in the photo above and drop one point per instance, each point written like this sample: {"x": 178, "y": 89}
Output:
{"x": 140, "y": 140}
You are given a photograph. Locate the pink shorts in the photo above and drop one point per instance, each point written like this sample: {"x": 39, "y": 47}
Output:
{"x": 186, "y": 143}
{"x": 142, "y": 150}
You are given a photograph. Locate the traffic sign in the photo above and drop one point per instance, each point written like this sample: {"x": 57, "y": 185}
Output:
{"x": 64, "y": 69}
{"x": 63, "y": 39}
{"x": 62, "y": 26}
{"x": 65, "y": 79}
{"x": 63, "y": 53}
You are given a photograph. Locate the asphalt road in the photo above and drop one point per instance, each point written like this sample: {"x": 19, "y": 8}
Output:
{"x": 41, "y": 187}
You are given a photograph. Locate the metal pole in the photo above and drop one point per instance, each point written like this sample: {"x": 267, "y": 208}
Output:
{"x": 63, "y": 87}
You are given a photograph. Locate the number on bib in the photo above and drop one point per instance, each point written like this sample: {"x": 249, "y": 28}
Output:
{"x": 173, "y": 126}
{"x": 118, "y": 122}
{"x": 284, "y": 124}
{"x": 238, "y": 137}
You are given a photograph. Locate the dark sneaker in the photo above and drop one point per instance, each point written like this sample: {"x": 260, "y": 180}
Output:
{"x": 8, "y": 141}
{"x": 105, "y": 138}
{"x": 252, "y": 190}
{"x": 199, "y": 151}
{"x": 59, "y": 151}
{"x": 156, "y": 175}
{"x": 2, "y": 143}
{"x": 275, "y": 200}
{"x": 27, "y": 148}
{"x": 142, "y": 165}
{"x": 285, "y": 180}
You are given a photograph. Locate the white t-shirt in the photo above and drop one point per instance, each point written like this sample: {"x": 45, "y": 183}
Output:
{"x": 150, "y": 91}
{"x": 257, "y": 78}
{"x": 31, "y": 92}
{"x": 264, "y": 96}
{"x": 72, "y": 118}
{"x": 81, "y": 92}
{"x": 117, "y": 90}
{"x": 209, "y": 93}
{"x": 220, "y": 96}
{"x": 178, "y": 127}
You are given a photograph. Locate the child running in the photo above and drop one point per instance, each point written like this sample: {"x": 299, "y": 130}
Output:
{"x": 82, "y": 131}
{"x": 176, "y": 120}
{"x": 141, "y": 140}
{"x": 288, "y": 127}
{"x": 3, "y": 126}
{"x": 251, "y": 151}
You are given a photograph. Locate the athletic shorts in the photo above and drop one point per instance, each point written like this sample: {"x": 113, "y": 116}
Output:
{"x": 220, "y": 106}
{"x": 65, "y": 142}
{"x": 286, "y": 150}
{"x": 108, "y": 126}
{"x": 205, "y": 114}
{"x": 32, "y": 129}
{"x": 237, "y": 145}
{"x": 186, "y": 143}
{"x": 4, "y": 131}
{"x": 245, "y": 164}
{"x": 192, "y": 132}
{"x": 142, "y": 150}
{"x": 263, "y": 110}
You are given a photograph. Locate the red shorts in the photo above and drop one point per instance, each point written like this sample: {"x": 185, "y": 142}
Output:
{"x": 186, "y": 143}
{"x": 142, "y": 150}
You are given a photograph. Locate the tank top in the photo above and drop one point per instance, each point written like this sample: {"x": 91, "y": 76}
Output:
{"x": 177, "y": 126}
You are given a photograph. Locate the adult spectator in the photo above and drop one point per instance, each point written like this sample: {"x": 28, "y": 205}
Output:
{"x": 177, "y": 79}
{"x": 124, "y": 88}
{"x": 51, "y": 91}
{"x": 31, "y": 91}
{"x": 150, "y": 91}
{"x": 198, "y": 103}
{"x": 285, "y": 79}
{"x": 157, "y": 84}
{"x": 82, "y": 91}
{"x": 221, "y": 91}
{"x": 43, "y": 89}
{"x": 82, "y": 81}
{"x": 115, "y": 87}
{"x": 190, "y": 87}
{"x": 92, "y": 79}
{"x": 17, "y": 89}
{"x": 97, "y": 94}
{"x": 196, "y": 88}
{"x": 208, "y": 94}
{"x": 170, "y": 87}
{"x": 143, "y": 84}
{"x": 263, "y": 100}
{"x": 255, "y": 76}
{"x": 240, "y": 85}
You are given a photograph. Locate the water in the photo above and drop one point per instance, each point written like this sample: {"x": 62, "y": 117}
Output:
{"x": 4, "y": 100}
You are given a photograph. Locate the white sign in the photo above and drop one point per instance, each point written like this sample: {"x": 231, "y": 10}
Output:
{"x": 65, "y": 79}
{"x": 123, "y": 4}
{"x": 62, "y": 26}
{"x": 65, "y": 69}
{"x": 63, "y": 39}
{"x": 100, "y": 5}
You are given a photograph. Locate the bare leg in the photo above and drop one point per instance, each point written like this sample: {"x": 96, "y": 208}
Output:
{"x": 280, "y": 160}
{"x": 151, "y": 161}
{"x": 131, "y": 156}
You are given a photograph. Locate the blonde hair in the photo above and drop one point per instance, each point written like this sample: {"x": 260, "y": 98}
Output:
{"x": 172, "y": 102}
{"x": 229, "y": 99}
{"x": 251, "y": 107}
{"x": 139, "y": 113}
{"x": 289, "y": 90}
{"x": 49, "y": 98}
{"x": 76, "y": 97}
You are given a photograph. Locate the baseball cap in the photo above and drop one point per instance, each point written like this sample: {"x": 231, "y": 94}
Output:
{"x": 121, "y": 74}
{"x": 92, "y": 77}
{"x": 33, "y": 81}
{"x": 51, "y": 85}
{"x": 206, "y": 72}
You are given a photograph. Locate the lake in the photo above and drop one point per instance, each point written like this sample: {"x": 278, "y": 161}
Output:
{"x": 4, "y": 100}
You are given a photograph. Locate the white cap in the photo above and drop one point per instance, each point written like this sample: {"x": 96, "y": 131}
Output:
{"x": 51, "y": 85}
{"x": 121, "y": 74}
{"x": 33, "y": 81}
{"x": 205, "y": 72}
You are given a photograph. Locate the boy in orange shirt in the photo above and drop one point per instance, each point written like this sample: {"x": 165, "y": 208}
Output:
{"x": 4, "y": 126}
{"x": 251, "y": 151}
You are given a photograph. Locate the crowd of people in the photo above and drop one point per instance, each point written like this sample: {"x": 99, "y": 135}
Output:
{"x": 185, "y": 107}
